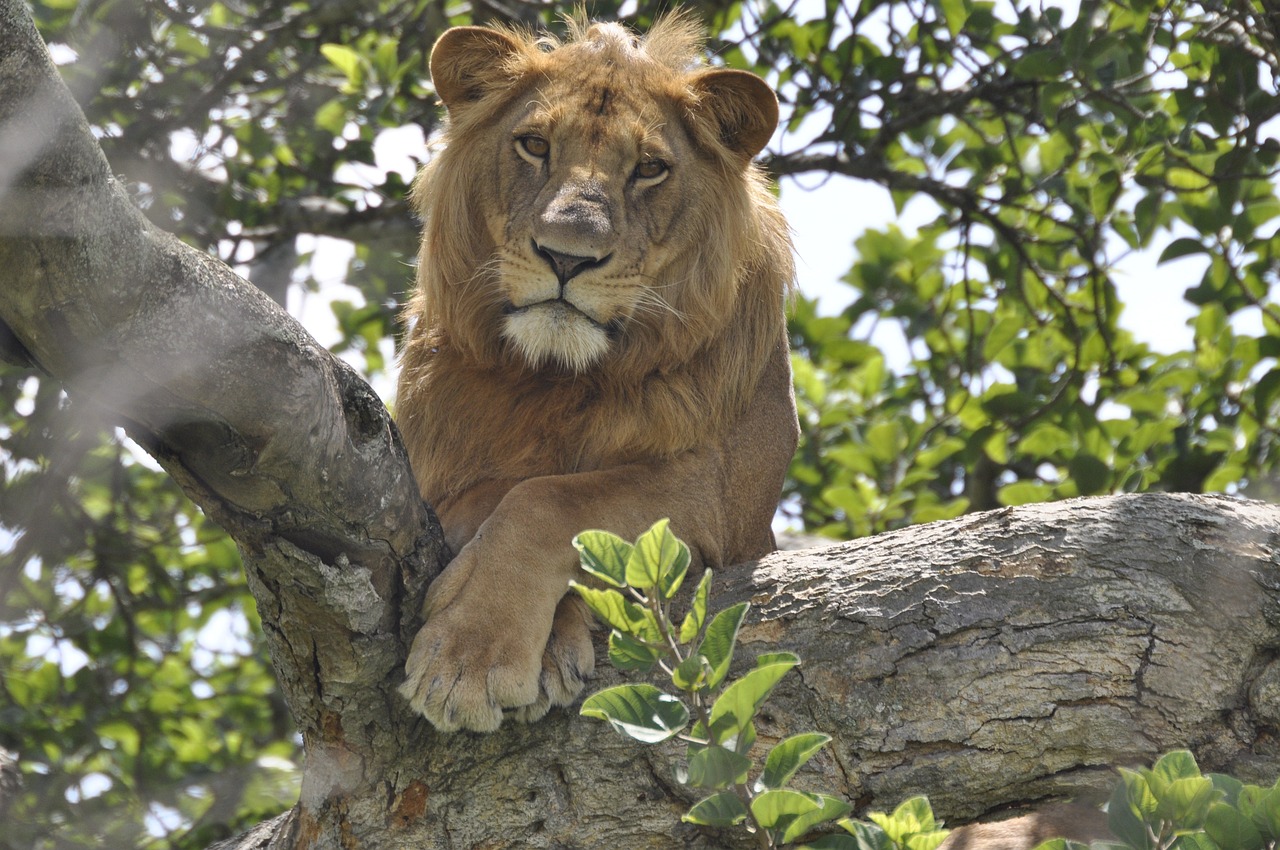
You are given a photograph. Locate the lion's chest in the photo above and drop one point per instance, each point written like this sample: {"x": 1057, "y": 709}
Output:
{"x": 490, "y": 426}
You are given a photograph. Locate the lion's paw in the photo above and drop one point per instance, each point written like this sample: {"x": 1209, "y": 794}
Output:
{"x": 567, "y": 662}
{"x": 461, "y": 678}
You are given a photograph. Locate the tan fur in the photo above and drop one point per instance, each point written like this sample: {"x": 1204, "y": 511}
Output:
{"x": 654, "y": 383}
{"x": 1074, "y": 821}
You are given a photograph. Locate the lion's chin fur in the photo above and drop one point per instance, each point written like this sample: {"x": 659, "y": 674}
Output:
{"x": 556, "y": 333}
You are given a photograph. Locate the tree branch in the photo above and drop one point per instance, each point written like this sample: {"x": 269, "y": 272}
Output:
{"x": 989, "y": 661}
{"x": 274, "y": 437}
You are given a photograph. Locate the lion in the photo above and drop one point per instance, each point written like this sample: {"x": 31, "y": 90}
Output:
{"x": 597, "y": 340}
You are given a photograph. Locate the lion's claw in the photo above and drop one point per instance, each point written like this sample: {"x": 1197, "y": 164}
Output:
{"x": 458, "y": 677}
{"x": 567, "y": 662}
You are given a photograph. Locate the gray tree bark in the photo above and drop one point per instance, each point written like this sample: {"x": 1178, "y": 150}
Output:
{"x": 997, "y": 659}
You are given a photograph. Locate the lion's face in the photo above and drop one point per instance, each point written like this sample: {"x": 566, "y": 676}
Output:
{"x": 597, "y": 182}
{"x": 602, "y": 163}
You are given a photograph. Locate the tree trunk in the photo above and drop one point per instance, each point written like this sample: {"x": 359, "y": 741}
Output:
{"x": 995, "y": 659}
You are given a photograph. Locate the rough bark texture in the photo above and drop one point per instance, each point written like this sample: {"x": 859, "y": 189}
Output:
{"x": 988, "y": 661}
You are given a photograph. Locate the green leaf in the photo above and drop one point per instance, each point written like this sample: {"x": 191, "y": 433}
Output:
{"x": 1045, "y": 439}
{"x": 829, "y": 809}
{"x": 1130, "y": 805}
{"x": 767, "y": 659}
{"x": 618, "y": 612}
{"x": 717, "y": 645}
{"x": 344, "y": 59}
{"x": 1182, "y": 247}
{"x": 1186, "y": 801}
{"x": 723, "y": 809}
{"x": 641, "y": 712}
{"x": 778, "y": 807}
{"x": 955, "y": 13}
{"x": 1231, "y": 830}
{"x": 1001, "y": 335}
{"x": 745, "y": 740}
{"x": 868, "y": 835}
{"x": 716, "y": 767}
{"x": 788, "y": 756}
{"x": 332, "y": 117}
{"x": 123, "y": 733}
{"x": 604, "y": 555}
{"x": 1090, "y": 473}
{"x": 912, "y": 821}
{"x": 690, "y": 674}
{"x": 692, "y": 623}
{"x": 833, "y": 842}
{"x": 735, "y": 708}
{"x": 659, "y": 557}
{"x": 627, "y": 653}
{"x": 1228, "y": 785}
{"x": 1264, "y": 810}
{"x": 1193, "y": 840}
{"x": 915, "y": 815}
{"x": 674, "y": 577}
{"x": 1146, "y": 215}
{"x": 927, "y": 840}
{"x": 1179, "y": 764}
{"x": 384, "y": 59}
{"x": 1024, "y": 493}
{"x": 1265, "y": 393}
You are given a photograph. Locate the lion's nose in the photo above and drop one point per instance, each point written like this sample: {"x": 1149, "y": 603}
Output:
{"x": 567, "y": 266}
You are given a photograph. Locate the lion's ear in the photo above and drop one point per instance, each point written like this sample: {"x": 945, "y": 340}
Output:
{"x": 467, "y": 62}
{"x": 742, "y": 105}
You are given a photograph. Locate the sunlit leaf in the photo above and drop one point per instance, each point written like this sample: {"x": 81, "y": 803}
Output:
{"x": 639, "y": 711}
{"x": 723, "y": 809}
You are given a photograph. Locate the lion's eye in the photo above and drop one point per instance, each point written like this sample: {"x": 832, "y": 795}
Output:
{"x": 533, "y": 148}
{"x": 651, "y": 169}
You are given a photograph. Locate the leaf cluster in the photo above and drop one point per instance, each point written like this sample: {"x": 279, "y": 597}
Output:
{"x": 1172, "y": 806}
{"x": 707, "y": 709}
{"x": 716, "y": 715}
{"x": 135, "y": 688}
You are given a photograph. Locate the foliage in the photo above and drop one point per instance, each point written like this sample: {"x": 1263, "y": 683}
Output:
{"x": 911, "y": 826}
{"x": 135, "y": 685}
{"x": 716, "y": 716}
{"x": 1051, "y": 144}
{"x": 1172, "y": 806}
{"x": 1049, "y": 147}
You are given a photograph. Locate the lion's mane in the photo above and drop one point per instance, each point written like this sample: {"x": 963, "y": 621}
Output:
{"x": 707, "y": 346}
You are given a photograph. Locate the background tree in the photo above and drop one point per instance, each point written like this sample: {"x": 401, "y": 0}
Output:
{"x": 1052, "y": 142}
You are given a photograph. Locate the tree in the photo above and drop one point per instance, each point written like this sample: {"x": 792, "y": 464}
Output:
{"x": 1036, "y": 113}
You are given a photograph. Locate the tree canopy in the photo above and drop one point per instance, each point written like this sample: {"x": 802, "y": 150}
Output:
{"x": 1052, "y": 141}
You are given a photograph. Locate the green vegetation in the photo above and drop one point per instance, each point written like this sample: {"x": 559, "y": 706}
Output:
{"x": 1042, "y": 146}
{"x": 1172, "y": 806}
{"x": 716, "y": 716}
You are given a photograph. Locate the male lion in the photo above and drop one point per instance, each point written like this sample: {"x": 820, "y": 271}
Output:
{"x": 597, "y": 341}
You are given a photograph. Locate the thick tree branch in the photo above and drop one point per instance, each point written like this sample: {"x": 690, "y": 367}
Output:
{"x": 988, "y": 661}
